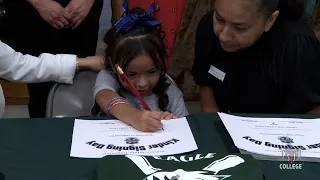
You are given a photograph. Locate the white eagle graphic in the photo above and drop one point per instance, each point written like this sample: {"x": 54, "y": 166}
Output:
{"x": 208, "y": 173}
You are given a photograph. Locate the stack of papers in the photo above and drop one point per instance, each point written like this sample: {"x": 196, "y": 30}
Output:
{"x": 98, "y": 138}
{"x": 278, "y": 139}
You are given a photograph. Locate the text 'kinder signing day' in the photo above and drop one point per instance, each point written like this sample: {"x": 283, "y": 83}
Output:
{"x": 255, "y": 67}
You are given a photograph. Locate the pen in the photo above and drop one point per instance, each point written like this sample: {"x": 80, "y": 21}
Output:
{"x": 125, "y": 78}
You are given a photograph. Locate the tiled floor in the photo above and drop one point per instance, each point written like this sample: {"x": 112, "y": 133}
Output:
{"x": 22, "y": 111}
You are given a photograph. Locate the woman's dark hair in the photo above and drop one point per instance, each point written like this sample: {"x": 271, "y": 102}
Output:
{"x": 292, "y": 9}
{"x": 124, "y": 47}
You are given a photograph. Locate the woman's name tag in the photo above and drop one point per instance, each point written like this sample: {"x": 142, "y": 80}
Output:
{"x": 217, "y": 73}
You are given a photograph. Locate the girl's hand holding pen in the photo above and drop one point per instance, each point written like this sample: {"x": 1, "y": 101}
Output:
{"x": 147, "y": 121}
{"x": 150, "y": 121}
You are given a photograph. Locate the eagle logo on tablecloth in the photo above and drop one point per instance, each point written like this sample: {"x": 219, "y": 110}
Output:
{"x": 132, "y": 140}
{"x": 286, "y": 139}
{"x": 210, "y": 172}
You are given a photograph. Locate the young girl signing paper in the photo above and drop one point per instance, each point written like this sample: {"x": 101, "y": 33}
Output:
{"x": 136, "y": 44}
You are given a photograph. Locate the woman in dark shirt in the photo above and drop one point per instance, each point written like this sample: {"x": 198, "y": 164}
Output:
{"x": 257, "y": 56}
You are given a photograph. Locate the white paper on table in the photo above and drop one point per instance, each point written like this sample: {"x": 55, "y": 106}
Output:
{"x": 262, "y": 135}
{"x": 98, "y": 138}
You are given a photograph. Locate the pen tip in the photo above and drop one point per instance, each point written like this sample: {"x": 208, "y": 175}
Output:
{"x": 116, "y": 65}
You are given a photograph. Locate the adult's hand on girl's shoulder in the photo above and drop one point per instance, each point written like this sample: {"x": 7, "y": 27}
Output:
{"x": 93, "y": 63}
{"x": 146, "y": 121}
{"x": 96, "y": 63}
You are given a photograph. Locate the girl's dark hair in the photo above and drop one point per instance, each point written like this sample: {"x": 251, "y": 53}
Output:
{"x": 124, "y": 47}
{"x": 292, "y": 9}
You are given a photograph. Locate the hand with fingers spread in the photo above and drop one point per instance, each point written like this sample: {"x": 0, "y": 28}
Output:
{"x": 78, "y": 10}
{"x": 52, "y": 12}
{"x": 167, "y": 115}
{"x": 147, "y": 121}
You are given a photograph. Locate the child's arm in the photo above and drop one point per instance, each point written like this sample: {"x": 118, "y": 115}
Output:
{"x": 142, "y": 120}
{"x": 123, "y": 112}
{"x": 105, "y": 90}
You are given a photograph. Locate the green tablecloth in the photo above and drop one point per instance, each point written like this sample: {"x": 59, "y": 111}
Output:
{"x": 38, "y": 149}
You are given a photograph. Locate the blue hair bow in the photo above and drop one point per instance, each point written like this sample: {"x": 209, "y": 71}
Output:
{"x": 129, "y": 20}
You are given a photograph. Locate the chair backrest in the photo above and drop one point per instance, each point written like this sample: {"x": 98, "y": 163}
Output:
{"x": 72, "y": 100}
{"x": 77, "y": 99}
{"x": 171, "y": 80}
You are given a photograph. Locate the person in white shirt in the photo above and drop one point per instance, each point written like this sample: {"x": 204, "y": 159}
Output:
{"x": 16, "y": 67}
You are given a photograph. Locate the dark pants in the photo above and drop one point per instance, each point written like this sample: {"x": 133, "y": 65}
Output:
{"x": 34, "y": 36}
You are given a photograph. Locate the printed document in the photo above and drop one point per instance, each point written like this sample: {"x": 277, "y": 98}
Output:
{"x": 98, "y": 138}
{"x": 275, "y": 136}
